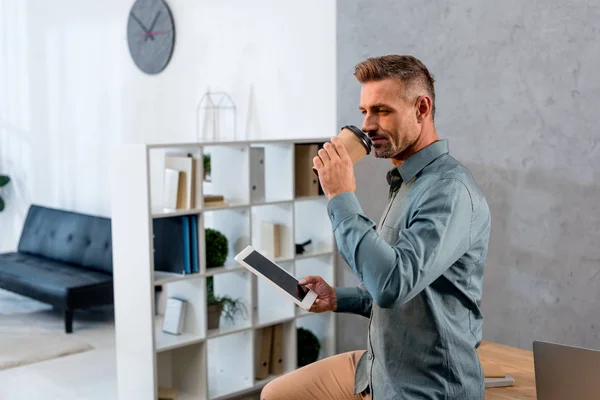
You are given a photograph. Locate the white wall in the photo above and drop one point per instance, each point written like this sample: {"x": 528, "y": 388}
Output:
{"x": 69, "y": 90}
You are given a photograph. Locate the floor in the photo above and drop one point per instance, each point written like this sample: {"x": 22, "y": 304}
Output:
{"x": 86, "y": 376}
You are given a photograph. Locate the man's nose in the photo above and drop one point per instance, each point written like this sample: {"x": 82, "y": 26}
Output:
{"x": 369, "y": 124}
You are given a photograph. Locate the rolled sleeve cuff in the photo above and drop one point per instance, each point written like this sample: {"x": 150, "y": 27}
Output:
{"x": 342, "y": 206}
{"x": 347, "y": 299}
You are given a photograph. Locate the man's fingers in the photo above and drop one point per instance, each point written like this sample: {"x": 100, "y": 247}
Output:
{"x": 309, "y": 279}
{"x": 340, "y": 148}
{"x": 331, "y": 151}
{"x": 324, "y": 155}
{"x": 317, "y": 162}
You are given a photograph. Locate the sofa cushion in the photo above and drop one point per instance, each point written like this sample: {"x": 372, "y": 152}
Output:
{"x": 68, "y": 237}
{"x": 46, "y": 280}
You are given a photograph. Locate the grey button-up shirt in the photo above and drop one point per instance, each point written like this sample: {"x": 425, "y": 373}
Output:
{"x": 421, "y": 273}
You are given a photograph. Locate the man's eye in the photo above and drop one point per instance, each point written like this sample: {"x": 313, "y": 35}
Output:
{"x": 384, "y": 112}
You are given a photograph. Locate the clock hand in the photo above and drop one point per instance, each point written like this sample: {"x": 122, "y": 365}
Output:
{"x": 154, "y": 33}
{"x": 140, "y": 23}
{"x": 153, "y": 23}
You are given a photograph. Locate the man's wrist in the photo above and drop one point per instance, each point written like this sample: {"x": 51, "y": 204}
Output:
{"x": 341, "y": 206}
{"x": 332, "y": 195}
{"x": 334, "y": 301}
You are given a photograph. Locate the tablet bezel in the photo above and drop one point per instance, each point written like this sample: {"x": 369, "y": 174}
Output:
{"x": 310, "y": 297}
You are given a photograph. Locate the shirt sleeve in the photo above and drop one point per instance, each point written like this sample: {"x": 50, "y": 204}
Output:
{"x": 355, "y": 300}
{"x": 438, "y": 234}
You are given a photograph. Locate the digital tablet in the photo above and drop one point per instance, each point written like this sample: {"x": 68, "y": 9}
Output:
{"x": 266, "y": 269}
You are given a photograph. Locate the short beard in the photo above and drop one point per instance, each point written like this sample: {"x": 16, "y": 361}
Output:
{"x": 388, "y": 150}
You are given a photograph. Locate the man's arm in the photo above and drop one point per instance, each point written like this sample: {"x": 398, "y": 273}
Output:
{"x": 438, "y": 234}
{"x": 355, "y": 300}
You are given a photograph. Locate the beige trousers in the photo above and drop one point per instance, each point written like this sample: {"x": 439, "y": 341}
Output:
{"x": 331, "y": 378}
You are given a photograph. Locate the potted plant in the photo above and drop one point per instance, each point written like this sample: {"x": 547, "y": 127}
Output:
{"x": 3, "y": 182}
{"x": 308, "y": 347}
{"x": 221, "y": 305}
{"x": 217, "y": 248}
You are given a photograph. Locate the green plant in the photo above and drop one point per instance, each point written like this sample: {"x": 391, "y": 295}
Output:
{"x": 217, "y": 248}
{"x": 3, "y": 182}
{"x": 228, "y": 306}
{"x": 206, "y": 159}
{"x": 308, "y": 347}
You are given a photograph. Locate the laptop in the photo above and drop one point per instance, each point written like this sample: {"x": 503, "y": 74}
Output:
{"x": 566, "y": 372}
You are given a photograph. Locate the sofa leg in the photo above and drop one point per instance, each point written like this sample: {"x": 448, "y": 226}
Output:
{"x": 68, "y": 321}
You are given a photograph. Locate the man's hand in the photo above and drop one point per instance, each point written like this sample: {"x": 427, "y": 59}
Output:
{"x": 336, "y": 172}
{"x": 326, "y": 298}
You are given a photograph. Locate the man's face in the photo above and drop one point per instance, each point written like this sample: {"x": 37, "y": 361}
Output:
{"x": 390, "y": 119}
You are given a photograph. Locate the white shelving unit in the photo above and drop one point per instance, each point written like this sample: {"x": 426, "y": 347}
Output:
{"x": 204, "y": 363}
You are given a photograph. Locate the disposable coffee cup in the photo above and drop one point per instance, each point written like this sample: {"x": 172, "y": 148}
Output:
{"x": 356, "y": 142}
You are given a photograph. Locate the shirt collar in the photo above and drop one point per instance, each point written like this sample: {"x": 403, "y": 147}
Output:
{"x": 415, "y": 163}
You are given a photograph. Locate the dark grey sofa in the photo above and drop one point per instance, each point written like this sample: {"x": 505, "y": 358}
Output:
{"x": 63, "y": 259}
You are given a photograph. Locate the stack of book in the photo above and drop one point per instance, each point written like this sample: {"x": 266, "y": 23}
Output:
{"x": 214, "y": 200}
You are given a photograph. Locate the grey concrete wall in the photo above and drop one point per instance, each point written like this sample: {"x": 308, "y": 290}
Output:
{"x": 518, "y": 91}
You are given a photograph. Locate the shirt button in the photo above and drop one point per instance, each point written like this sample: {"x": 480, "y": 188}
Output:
{"x": 332, "y": 217}
{"x": 370, "y": 356}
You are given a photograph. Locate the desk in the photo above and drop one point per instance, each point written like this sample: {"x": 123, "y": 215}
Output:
{"x": 516, "y": 362}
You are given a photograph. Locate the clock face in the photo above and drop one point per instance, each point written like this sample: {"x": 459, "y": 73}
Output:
{"x": 151, "y": 35}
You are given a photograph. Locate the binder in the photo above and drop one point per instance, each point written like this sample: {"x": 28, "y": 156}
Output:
{"x": 277, "y": 361}
{"x": 263, "y": 353}
{"x": 167, "y": 393}
{"x": 306, "y": 182}
{"x": 257, "y": 174}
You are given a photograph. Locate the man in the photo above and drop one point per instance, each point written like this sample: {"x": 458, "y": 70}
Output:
{"x": 421, "y": 269}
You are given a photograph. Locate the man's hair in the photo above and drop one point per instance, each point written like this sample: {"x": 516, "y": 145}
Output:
{"x": 409, "y": 70}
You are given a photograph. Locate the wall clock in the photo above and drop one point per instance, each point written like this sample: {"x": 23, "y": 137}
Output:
{"x": 151, "y": 35}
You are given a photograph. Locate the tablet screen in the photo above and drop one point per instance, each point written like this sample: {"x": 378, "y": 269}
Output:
{"x": 276, "y": 274}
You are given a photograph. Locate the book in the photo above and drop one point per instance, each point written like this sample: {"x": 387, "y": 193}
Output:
{"x": 194, "y": 244}
{"x": 270, "y": 239}
{"x": 174, "y": 316}
{"x": 184, "y": 164}
{"x": 187, "y": 244}
{"x": 170, "y": 189}
{"x": 168, "y": 242}
{"x": 507, "y": 380}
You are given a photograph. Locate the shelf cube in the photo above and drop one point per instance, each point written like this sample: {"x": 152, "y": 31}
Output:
{"x": 230, "y": 358}
{"x": 236, "y": 286}
{"x": 274, "y": 351}
{"x": 182, "y": 370}
{"x": 234, "y": 224}
{"x": 272, "y": 178}
{"x": 175, "y": 173}
{"x": 311, "y": 222}
{"x": 194, "y": 324}
{"x": 279, "y": 217}
{"x": 228, "y": 175}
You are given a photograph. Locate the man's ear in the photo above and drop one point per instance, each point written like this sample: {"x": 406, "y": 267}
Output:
{"x": 423, "y": 106}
